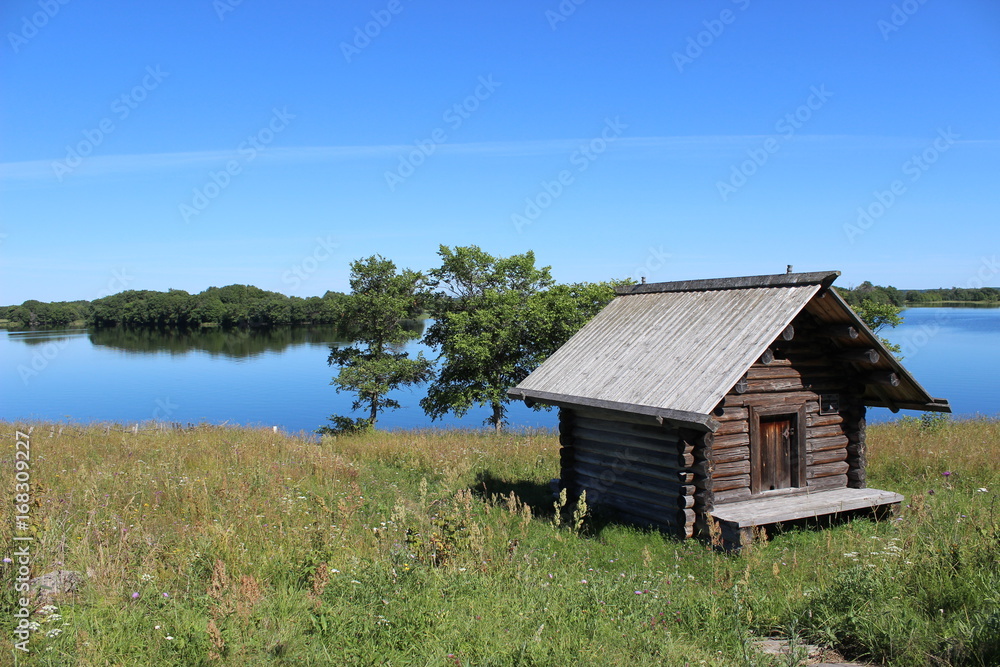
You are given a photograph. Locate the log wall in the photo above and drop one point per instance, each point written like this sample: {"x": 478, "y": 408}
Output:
{"x": 798, "y": 372}
{"x": 641, "y": 473}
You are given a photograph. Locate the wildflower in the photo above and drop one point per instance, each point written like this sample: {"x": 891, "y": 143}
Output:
{"x": 981, "y": 490}
{"x": 135, "y": 595}
{"x": 8, "y": 560}
{"x": 583, "y": 581}
{"x": 166, "y": 595}
{"x": 54, "y": 632}
{"x": 168, "y": 637}
{"x": 156, "y": 627}
{"x": 947, "y": 473}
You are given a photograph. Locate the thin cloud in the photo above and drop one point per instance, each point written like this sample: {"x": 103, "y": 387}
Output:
{"x": 104, "y": 165}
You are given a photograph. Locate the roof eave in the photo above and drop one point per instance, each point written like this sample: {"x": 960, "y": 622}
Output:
{"x": 680, "y": 418}
{"x": 822, "y": 278}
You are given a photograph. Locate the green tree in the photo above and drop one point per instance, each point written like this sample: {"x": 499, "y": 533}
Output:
{"x": 381, "y": 300}
{"x": 878, "y": 316}
{"x": 495, "y": 320}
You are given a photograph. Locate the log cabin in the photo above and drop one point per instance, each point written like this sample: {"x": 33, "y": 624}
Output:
{"x": 726, "y": 404}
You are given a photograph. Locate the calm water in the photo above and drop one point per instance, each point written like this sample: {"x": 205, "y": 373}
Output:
{"x": 280, "y": 377}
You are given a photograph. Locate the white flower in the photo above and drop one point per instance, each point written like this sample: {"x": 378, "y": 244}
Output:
{"x": 54, "y": 632}
{"x": 983, "y": 490}
{"x": 168, "y": 637}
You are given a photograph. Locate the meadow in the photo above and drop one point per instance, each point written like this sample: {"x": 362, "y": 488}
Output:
{"x": 219, "y": 546}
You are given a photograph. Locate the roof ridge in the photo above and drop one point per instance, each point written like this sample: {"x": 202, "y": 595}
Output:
{"x": 824, "y": 278}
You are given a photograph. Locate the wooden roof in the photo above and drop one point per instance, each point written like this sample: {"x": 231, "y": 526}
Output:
{"x": 673, "y": 350}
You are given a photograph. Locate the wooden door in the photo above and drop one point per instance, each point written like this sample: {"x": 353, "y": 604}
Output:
{"x": 774, "y": 463}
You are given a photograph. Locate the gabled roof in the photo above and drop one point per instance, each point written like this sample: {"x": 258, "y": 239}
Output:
{"x": 674, "y": 350}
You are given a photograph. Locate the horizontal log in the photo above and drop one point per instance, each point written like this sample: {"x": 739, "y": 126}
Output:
{"x": 724, "y": 414}
{"x": 817, "y": 420}
{"x": 823, "y": 385}
{"x": 827, "y": 483}
{"x": 785, "y": 398}
{"x": 724, "y": 442}
{"x": 626, "y": 439}
{"x": 739, "y": 467}
{"x": 624, "y": 466}
{"x": 665, "y": 433}
{"x": 624, "y": 455}
{"x": 727, "y": 483}
{"x": 829, "y": 456}
{"x": 599, "y": 495}
{"x": 825, "y": 431}
{"x": 860, "y": 356}
{"x": 634, "y": 519}
{"x": 841, "y": 331}
{"x": 732, "y": 495}
{"x": 731, "y": 454}
{"x": 733, "y": 426}
{"x": 823, "y": 444}
{"x": 886, "y": 378}
{"x": 827, "y": 469}
{"x": 599, "y": 479}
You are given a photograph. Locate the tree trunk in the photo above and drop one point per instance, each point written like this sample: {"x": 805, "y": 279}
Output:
{"x": 497, "y": 419}
{"x": 374, "y": 412}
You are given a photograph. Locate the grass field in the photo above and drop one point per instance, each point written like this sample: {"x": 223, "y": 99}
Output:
{"x": 243, "y": 546}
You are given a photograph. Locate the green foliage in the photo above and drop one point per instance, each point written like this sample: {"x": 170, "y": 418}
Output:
{"x": 495, "y": 320}
{"x": 877, "y": 316}
{"x": 381, "y": 301}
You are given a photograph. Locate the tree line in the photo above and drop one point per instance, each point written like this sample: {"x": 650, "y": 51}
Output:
{"x": 889, "y": 295}
{"x": 230, "y": 306}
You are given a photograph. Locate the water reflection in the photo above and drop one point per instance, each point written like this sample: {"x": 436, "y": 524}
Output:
{"x": 232, "y": 343}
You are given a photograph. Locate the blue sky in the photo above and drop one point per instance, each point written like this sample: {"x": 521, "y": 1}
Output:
{"x": 194, "y": 143}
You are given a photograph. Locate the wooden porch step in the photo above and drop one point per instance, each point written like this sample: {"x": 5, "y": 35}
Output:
{"x": 768, "y": 510}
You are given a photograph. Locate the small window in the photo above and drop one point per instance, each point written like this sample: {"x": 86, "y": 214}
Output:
{"x": 829, "y": 404}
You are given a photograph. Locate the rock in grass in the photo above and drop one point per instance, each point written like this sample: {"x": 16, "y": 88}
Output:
{"x": 53, "y": 584}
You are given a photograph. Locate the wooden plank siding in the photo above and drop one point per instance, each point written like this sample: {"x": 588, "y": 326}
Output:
{"x": 796, "y": 373}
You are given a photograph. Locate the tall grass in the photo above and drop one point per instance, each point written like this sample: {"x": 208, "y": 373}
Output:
{"x": 243, "y": 546}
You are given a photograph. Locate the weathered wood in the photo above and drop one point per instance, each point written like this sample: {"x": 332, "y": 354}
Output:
{"x": 788, "y": 333}
{"x": 777, "y": 509}
{"x": 767, "y": 357}
{"x": 826, "y": 483}
{"x": 651, "y": 432}
{"x": 615, "y": 466}
{"x": 620, "y": 452}
{"x": 742, "y": 385}
{"x": 628, "y": 440}
{"x": 830, "y": 442}
{"x": 826, "y": 431}
{"x": 732, "y": 495}
{"x": 730, "y": 468}
{"x": 727, "y": 441}
{"x": 732, "y": 454}
{"x": 818, "y": 421}
{"x": 887, "y": 378}
{"x": 723, "y": 415}
{"x": 599, "y": 493}
{"x": 733, "y": 426}
{"x": 658, "y": 487}
{"x": 827, "y": 469}
{"x": 823, "y": 385}
{"x": 735, "y": 482}
{"x": 866, "y": 356}
{"x": 841, "y": 331}
{"x": 828, "y": 456}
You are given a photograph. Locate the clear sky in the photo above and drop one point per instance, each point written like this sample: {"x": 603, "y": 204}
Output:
{"x": 190, "y": 143}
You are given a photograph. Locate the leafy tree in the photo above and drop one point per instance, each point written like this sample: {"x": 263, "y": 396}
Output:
{"x": 381, "y": 300}
{"x": 878, "y": 316}
{"x": 495, "y": 320}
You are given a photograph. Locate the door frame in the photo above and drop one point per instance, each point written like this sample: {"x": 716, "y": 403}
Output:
{"x": 797, "y": 414}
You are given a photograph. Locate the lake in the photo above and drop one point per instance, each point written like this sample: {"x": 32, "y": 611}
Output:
{"x": 280, "y": 377}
